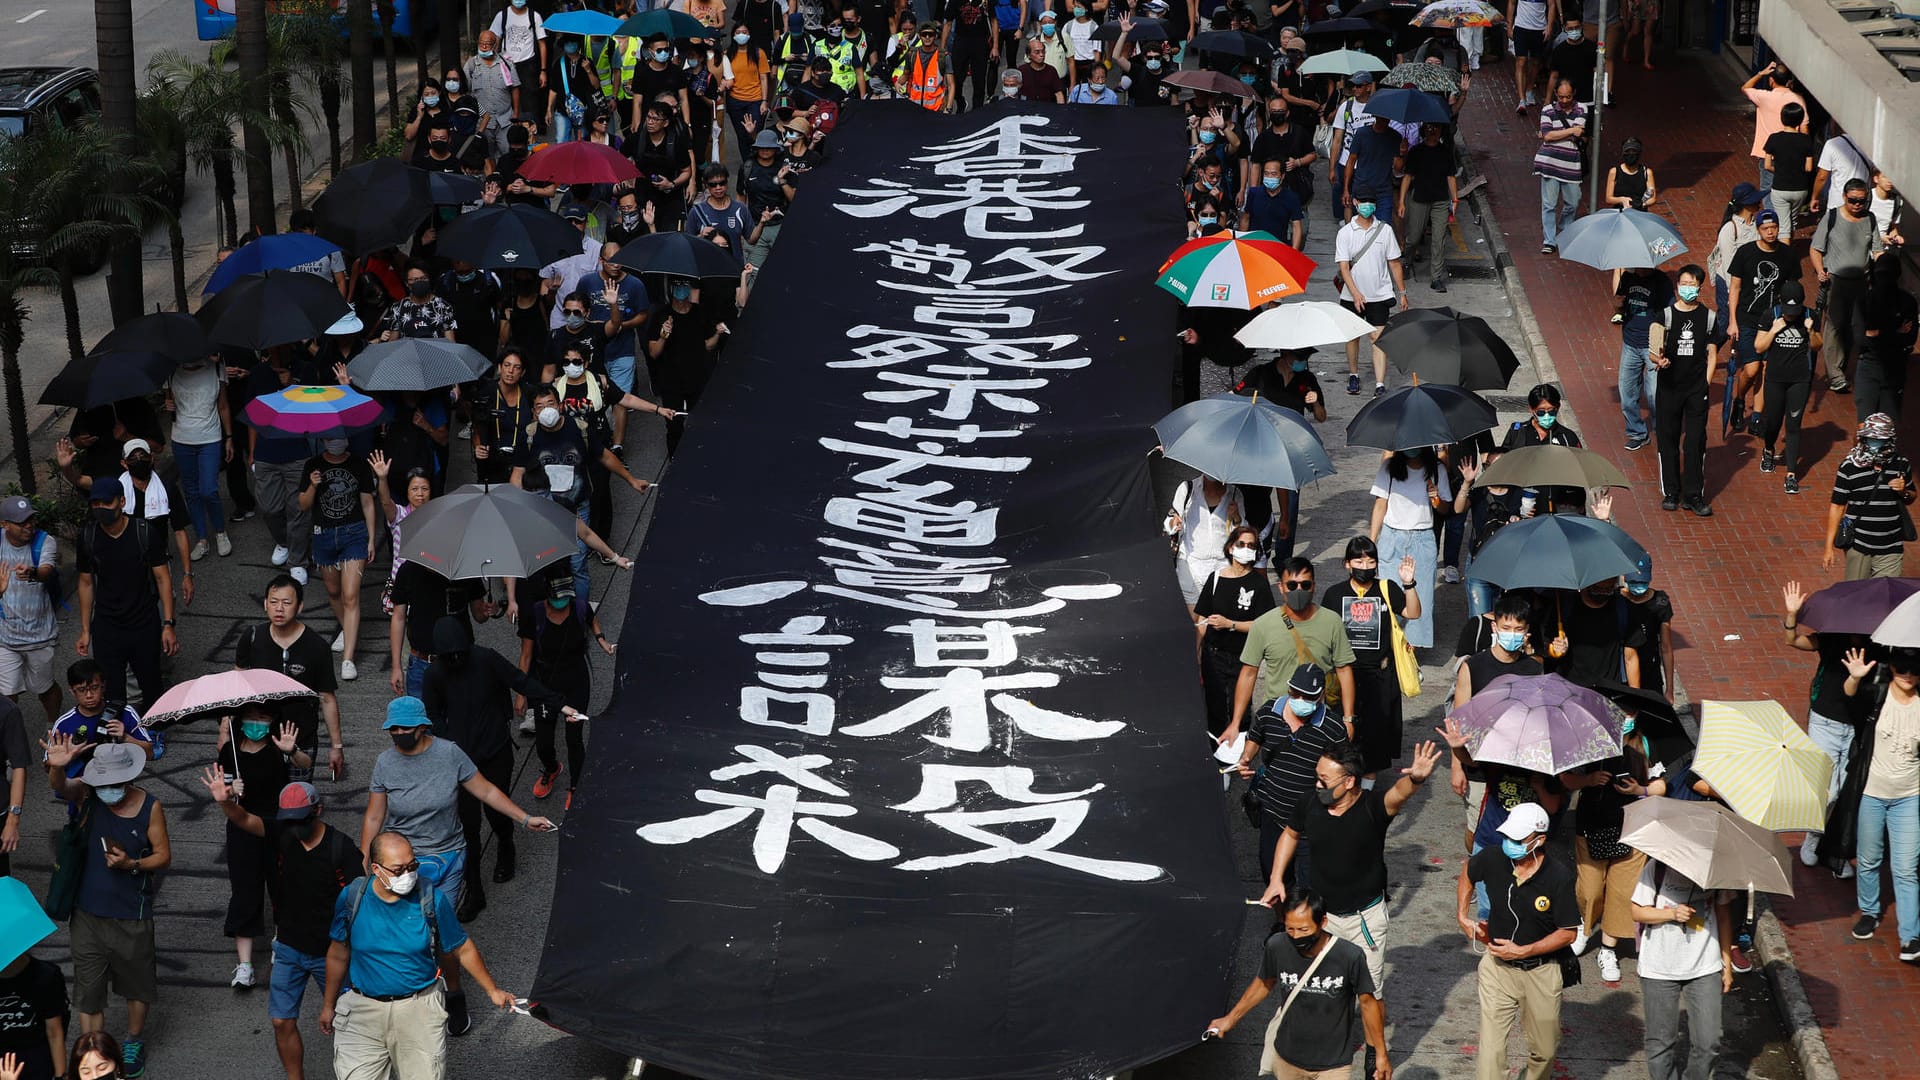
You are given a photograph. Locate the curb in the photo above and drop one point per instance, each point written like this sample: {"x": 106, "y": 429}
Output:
{"x": 1789, "y": 993}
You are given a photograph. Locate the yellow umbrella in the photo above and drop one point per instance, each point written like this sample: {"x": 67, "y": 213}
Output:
{"x": 1763, "y": 765}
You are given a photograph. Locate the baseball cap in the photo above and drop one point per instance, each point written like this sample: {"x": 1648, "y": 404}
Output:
{"x": 1523, "y": 821}
{"x": 405, "y": 712}
{"x": 105, "y": 489}
{"x": 15, "y": 509}
{"x": 1308, "y": 681}
{"x": 796, "y": 21}
{"x": 574, "y": 213}
{"x": 1642, "y": 572}
{"x": 297, "y": 801}
{"x": 133, "y": 445}
{"x": 1766, "y": 216}
{"x": 1360, "y": 78}
{"x": 1745, "y": 194}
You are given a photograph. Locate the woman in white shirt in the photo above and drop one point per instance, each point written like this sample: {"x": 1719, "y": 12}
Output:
{"x": 197, "y": 398}
{"x": 1736, "y": 230}
{"x": 1202, "y": 516}
{"x": 1410, "y": 492}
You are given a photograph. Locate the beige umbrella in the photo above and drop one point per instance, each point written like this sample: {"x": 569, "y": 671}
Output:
{"x": 1551, "y": 465}
{"x": 1710, "y": 844}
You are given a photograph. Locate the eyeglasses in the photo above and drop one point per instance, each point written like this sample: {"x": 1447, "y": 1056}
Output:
{"x": 407, "y": 868}
{"x": 1296, "y": 586}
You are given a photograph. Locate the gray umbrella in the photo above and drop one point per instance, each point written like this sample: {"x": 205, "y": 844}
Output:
{"x": 1621, "y": 239}
{"x": 482, "y": 530}
{"x": 1556, "y": 551}
{"x": 416, "y": 364}
{"x": 1243, "y": 440}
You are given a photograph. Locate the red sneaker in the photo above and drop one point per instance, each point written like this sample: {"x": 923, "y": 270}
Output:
{"x": 543, "y": 784}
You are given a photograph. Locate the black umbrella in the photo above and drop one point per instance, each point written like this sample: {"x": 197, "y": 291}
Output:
{"x": 492, "y": 530}
{"x": 1143, "y": 30}
{"x": 1338, "y": 27}
{"x": 514, "y": 236}
{"x": 1443, "y": 346}
{"x": 1654, "y": 716}
{"x": 171, "y": 334}
{"x": 452, "y": 188}
{"x": 373, "y": 206}
{"x": 677, "y": 254}
{"x": 103, "y": 378}
{"x": 1426, "y": 414}
{"x": 272, "y": 308}
{"x": 1234, "y": 43}
{"x": 416, "y": 364}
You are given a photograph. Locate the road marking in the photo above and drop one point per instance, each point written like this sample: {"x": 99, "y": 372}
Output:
{"x": 30, "y": 16}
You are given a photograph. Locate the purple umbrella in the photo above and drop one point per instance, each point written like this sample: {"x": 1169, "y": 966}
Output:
{"x": 1539, "y": 722}
{"x": 1855, "y": 607}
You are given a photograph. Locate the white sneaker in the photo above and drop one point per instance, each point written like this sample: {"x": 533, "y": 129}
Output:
{"x": 348, "y": 672}
{"x": 340, "y": 642}
{"x": 242, "y": 977}
{"x": 299, "y": 574}
{"x": 222, "y": 545}
{"x": 1810, "y": 850}
{"x": 1580, "y": 941}
{"x": 199, "y": 550}
{"x": 1846, "y": 872}
{"x": 465, "y": 432}
{"x": 1450, "y": 575}
{"x": 1609, "y": 965}
{"x": 280, "y": 554}
{"x": 526, "y": 723}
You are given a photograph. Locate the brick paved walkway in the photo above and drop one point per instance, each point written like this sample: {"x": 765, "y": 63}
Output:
{"x": 1723, "y": 572}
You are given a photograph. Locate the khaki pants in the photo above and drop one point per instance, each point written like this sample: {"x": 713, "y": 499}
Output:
{"x": 1286, "y": 1071}
{"x": 1534, "y": 996}
{"x": 1861, "y": 566}
{"x": 406, "y": 1039}
{"x": 1604, "y": 888}
{"x": 1367, "y": 929}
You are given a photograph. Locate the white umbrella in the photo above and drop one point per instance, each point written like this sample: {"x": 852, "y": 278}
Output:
{"x": 1308, "y": 324}
{"x": 1901, "y": 628}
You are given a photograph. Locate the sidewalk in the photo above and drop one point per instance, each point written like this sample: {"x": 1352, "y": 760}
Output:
{"x": 1723, "y": 572}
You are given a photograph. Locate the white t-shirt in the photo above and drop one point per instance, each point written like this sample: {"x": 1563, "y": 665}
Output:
{"x": 1843, "y": 161}
{"x": 1883, "y": 211}
{"x": 517, "y": 32}
{"x": 1530, "y": 15}
{"x": 1081, "y": 34}
{"x": 1370, "y": 274}
{"x": 1677, "y": 952}
{"x": 1349, "y": 117}
{"x": 1407, "y": 506}
{"x": 196, "y": 404}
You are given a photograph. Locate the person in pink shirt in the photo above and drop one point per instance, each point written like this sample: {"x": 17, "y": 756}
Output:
{"x": 1767, "y": 104}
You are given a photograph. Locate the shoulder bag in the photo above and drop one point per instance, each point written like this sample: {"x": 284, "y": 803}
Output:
{"x": 69, "y": 863}
{"x": 1405, "y": 664}
{"x": 1269, "y": 1059}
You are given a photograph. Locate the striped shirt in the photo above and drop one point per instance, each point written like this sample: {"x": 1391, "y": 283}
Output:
{"x": 1874, "y": 506}
{"x": 1290, "y": 755}
{"x": 1560, "y": 159}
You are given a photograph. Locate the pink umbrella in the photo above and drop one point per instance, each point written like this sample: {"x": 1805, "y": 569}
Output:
{"x": 221, "y": 693}
{"x": 1539, "y": 722}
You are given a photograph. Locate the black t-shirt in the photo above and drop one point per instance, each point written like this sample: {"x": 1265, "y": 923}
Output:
{"x": 1270, "y": 145}
{"x": 1323, "y": 1026}
{"x": 1761, "y": 274}
{"x": 1242, "y": 599}
{"x": 1790, "y": 357}
{"x": 1689, "y": 337}
{"x": 970, "y": 19}
{"x": 1791, "y": 151}
{"x": 681, "y": 370}
{"x": 666, "y": 159}
{"x": 1146, "y": 87}
{"x": 1574, "y": 61}
{"x": 647, "y": 84}
{"x": 591, "y": 341}
{"x": 27, "y": 1001}
{"x": 1484, "y": 667}
{"x": 1430, "y": 166}
{"x": 428, "y": 596}
{"x": 1524, "y": 912}
{"x": 762, "y": 189}
{"x": 563, "y": 454}
{"x": 1279, "y": 383}
{"x": 122, "y": 567}
{"x": 1596, "y": 638}
{"x": 1364, "y": 617}
{"x": 558, "y": 647}
{"x": 476, "y": 310}
{"x": 308, "y": 661}
{"x": 1349, "y": 864}
{"x": 341, "y": 485}
{"x": 1646, "y": 617}
{"x": 307, "y": 884}
{"x": 264, "y": 770}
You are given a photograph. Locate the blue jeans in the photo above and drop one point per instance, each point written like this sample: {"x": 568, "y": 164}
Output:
{"x": 1559, "y": 204}
{"x": 1482, "y": 905}
{"x": 200, "y": 480}
{"x": 1766, "y": 182}
{"x": 287, "y": 986}
{"x": 416, "y": 675}
{"x": 1890, "y": 827}
{"x": 1636, "y": 390}
{"x": 1835, "y": 739}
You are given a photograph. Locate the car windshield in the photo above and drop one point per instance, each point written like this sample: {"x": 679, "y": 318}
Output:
{"x": 11, "y": 126}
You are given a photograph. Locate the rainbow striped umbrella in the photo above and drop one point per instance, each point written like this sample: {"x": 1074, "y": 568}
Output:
{"x": 1235, "y": 270}
{"x": 1763, "y": 765}
{"x": 313, "y": 412}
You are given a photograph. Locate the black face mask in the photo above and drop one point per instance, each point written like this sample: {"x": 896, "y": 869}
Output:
{"x": 303, "y": 830}
{"x": 105, "y": 516}
{"x": 1304, "y": 945}
{"x": 406, "y": 740}
{"x": 140, "y": 470}
{"x": 1365, "y": 575}
{"x": 420, "y": 288}
{"x": 1631, "y": 157}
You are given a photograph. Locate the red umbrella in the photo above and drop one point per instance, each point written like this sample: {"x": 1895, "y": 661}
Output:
{"x": 579, "y": 163}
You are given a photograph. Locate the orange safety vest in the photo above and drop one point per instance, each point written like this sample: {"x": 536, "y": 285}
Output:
{"x": 927, "y": 85}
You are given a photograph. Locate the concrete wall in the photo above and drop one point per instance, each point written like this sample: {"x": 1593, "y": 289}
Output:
{"x": 1866, "y": 95}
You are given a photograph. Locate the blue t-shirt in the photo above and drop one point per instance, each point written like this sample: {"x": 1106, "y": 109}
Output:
{"x": 1644, "y": 294}
{"x": 390, "y": 941}
{"x": 1273, "y": 211}
{"x": 633, "y": 300}
{"x": 1373, "y": 154}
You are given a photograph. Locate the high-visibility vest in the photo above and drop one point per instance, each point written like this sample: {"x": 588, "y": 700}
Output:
{"x": 629, "y": 50}
{"x": 842, "y": 56}
{"x": 926, "y": 83}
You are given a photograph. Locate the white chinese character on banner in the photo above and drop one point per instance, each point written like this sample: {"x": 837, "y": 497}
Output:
{"x": 984, "y": 202}
{"x": 1066, "y": 811}
{"x": 962, "y": 695}
{"x": 781, "y": 811}
{"x": 1007, "y": 148}
{"x": 960, "y": 394}
{"x": 990, "y": 644}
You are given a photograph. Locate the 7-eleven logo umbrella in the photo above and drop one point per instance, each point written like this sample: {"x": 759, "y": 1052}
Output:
{"x": 1235, "y": 270}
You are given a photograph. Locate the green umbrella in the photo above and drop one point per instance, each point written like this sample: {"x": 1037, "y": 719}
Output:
{"x": 677, "y": 25}
{"x": 1345, "y": 63}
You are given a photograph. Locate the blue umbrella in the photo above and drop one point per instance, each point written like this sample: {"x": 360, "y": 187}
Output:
{"x": 1618, "y": 239}
{"x": 1556, "y": 551}
{"x": 281, "y": 251}
{"x": 1243, "y": 440}
{"x": 1403, "y": 106}
{"x": 677, "y": 25}
{"x": 589, "y": 23}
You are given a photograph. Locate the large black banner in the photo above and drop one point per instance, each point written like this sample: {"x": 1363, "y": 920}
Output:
{"x": 904, "y": 778}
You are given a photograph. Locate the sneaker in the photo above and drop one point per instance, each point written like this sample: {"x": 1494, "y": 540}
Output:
{"x": 1810, "y": 850}
{"x": 1548, "y": 249}
{"x": 1609, "y": 966}
{"x": 1580, "y": 941}
{"x": 1519, "y": 109}
{"x": 1766, "y": 460}
{"x": 348, "y": 672}
{"x": 222, "y": 545}
{"x": 242, "y": 977}
{"x": 1793, "y": 484}
{"x": 199, "y": 550}
{"x": 1450, "y": 575}
{"x": 1379, "y": 388}
{"x": 1532, "y": 98}
{"x": 242, "y": 515}
{"x": 1636, "y": 444}
{"x": 1863, "y": 928}
{"x": 1910, "y": 951}
{"x": 1739, "y": 957}
{"x": 1670, "y": 504}
{"x": 1754, "y": 424}
{"x": 1439, "y": 286}
{"x": 280, "y": 554}
{"x": 133, "y": 1058}
{"x": 1617, "y": 319}
{"x": 1839, "y": 385}
{"x": 527, "y": 725}
{"x": 299, "y": 574}
{"x": 465, "y": 432}
{"x": 458, "y": 1021}
{"x": 1845, "y": 872}
{"x": 1701, "y": 508}
{"x": 1353, "y": 384}
{"x": 543, "y": 784}
{"x": 340, "y": 642}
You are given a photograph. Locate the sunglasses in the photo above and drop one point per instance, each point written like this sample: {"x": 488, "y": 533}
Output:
{"x": 1296, "y": 586}
{"x": 1856, "y": 202}
{"x": 1546, "y": 412}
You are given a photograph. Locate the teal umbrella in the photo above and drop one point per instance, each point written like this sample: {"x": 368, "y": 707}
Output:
{"x": 1556, "y": 551}
{"x": 586, "y": 23}
{"x": 677, "y": 25}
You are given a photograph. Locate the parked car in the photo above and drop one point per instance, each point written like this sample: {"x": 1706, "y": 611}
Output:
{"x": 33, "y": 96}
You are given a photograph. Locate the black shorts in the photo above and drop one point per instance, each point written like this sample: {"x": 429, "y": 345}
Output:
{"x": 1376, "y": 312}
{"x": 1529, "y": 43}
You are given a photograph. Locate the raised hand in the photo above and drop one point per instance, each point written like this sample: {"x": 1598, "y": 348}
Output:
{"x": 216, "y": 781}
{"x": 1450, "y": 731}
{"x": 1857, "y": 663}
{"x": 1425, "y": 757}
{"x": 287, "y": 737}
{"x": 380, "y": 464}
{"x": 1792, "y": 596}
{"x": 61, "y": 749}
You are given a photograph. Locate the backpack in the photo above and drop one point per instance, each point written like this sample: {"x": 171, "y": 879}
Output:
{"x": 141, "y": 537}
{"x": 52, "y": 584}
{"x": 426, "y": 910}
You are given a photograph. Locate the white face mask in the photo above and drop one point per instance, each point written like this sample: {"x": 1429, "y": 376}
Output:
{"x": 1244, "y": 555}
{"x": 574, "y": 371}
{"x": 549, "y": 416}
{"x": 402, "y": 884}
{"x": 1009, "y": 90}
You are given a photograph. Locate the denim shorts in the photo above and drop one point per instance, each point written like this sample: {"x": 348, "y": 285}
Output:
{"x": 620, "y": 370}
{"x": 333, "y": 545}
{"x": 288, "y": 984}
{"x": 446, "y": 871}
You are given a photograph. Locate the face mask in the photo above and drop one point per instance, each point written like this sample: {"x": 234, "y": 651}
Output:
{"x": 1302, "y": 708}
{"x": 1511, "y": 640}
{"x": 1514, "y": 849}
{"x": 254, "y": 730}
{"x": 486, "y": 54}
{"x": 1271, "y": 183}
{"x": 1639, "y": 590}
{"x": 469, "y": 275}
{"x": 662, "y": 55}
{"x": 574, "y": 371}
{"x": 1009, "y": 91}
{"x": 420, "y": 288}
{"x": 111, "y": 795}
{"x": 1545, "y": 420}
{"x": 549, "y": 417}
{"x": 1364, "y": 575}
{"x": 1626, "y": 728}
{"x": 1299, "y": 599}
{"x": 1689, "y": 293}
{"x": 1079, "y": 12}
{"x": 1574, "y": 35}
{"x": 303, "y": 829}
{"x": 681, "y": 292}
{"x": 1207, "y": 138}
{"x": 519, "y": 4}
{"x": 1631, "y": 157}
{"x": 1364, "y": 209}
{"x": 1873, "y": 447}
{"x": 453, "y": 86}
{"x": 742, "y": 39}
{"x": 105, "y": 515}
{"x": 1326, "y": 795}
{"x": 1208, "y": 222}
{"x": 430, "y": 100}
{"x": 402, "y": 884}
{"x": 1048, "y": 29}
{"x": 141, "y": 470}
{"x": 333, "y": 446}
{"x": 1244, "y": 555}
{"x": 1277, "y": 117}
{"x": 1304, "y": 945}
{"x": 405, "y": 740}
{"x": 833, "y": 31}
{"x": 575, "y": 322}
{"x": 1248, "y": 79}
